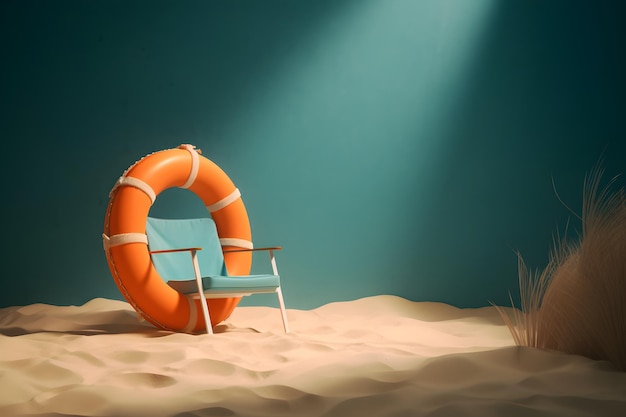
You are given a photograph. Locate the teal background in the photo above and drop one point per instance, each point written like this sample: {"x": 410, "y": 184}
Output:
{"x": 399, "y": 147}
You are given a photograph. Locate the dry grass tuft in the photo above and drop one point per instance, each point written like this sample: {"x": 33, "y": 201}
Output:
{"x": 577, "y": 304}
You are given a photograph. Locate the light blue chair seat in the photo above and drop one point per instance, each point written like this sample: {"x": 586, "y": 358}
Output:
{"x": 241, "y": 283}
{"x": 171, "y": 241}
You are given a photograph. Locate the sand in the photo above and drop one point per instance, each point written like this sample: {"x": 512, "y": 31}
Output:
{"x": 376, "y": 356}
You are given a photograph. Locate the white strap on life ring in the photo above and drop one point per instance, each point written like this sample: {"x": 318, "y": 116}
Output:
{"x": 123, "y": 239}
{"x": 238, "y": 243}
{"x": 229, "y": 199}
{"x": 195, "y": 164}
{"x": 193, "y": 315}
{"x": 137, "y": 183}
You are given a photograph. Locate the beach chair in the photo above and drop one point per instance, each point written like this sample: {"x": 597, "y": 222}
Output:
{"x": 204, "y": 274}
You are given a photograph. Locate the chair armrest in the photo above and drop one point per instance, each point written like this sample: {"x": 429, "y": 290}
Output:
{"x": 253, "y": 250}
{"x": 270, "y": 250}
{"x": 175, "y": 250}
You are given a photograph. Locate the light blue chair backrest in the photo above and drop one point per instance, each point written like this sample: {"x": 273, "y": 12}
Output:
{"x": 185, "y": 233}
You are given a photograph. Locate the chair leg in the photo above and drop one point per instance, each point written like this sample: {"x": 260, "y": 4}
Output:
{"x": 205, "y": 308}
{"x": 281, "y": 301}
{"x": 205, "y": 312}
{"x": 283, "y": 311}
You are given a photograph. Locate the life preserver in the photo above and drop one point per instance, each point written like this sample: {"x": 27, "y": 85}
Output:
{"x": 125, "y": 241}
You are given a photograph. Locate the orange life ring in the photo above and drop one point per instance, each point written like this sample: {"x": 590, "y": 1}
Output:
{"x": 125, "y": 241}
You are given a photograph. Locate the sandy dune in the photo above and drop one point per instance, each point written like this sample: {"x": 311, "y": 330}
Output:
{"x": 377, "y": 356}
